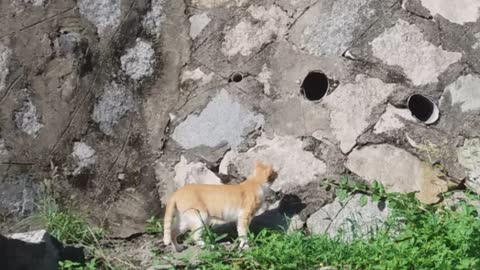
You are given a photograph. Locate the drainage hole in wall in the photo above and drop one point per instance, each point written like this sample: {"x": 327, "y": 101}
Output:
{"x": 235, "y": 77}
{"x": 315, "y": 86}
{"x": 422, "y": 108}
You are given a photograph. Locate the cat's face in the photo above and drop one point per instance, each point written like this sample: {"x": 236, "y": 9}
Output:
{"x": 265, "y": 172}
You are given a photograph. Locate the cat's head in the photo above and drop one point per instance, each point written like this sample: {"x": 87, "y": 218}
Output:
{"x": 265, "y": 172}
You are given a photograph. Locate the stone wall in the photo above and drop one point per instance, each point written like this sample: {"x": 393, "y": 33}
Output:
{"x": 131, "y": 99}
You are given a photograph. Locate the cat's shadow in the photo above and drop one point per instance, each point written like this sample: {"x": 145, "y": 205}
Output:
{"x": 277, "y": 219}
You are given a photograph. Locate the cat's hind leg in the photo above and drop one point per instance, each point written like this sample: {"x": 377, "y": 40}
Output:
{"x": 198, "y": 219}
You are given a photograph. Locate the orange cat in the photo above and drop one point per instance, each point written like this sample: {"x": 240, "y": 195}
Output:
{"x": 196, "y": 205}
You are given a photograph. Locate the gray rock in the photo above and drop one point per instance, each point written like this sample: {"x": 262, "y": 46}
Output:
{"x": 397, "y": 170}
{"x": 115, "y": 102}
{"x": 18, "y": 196}
{"x": 248, "y": 37}
{"x": 27, "y": 118}
{"x": 287, "y": 156}
{"x": 105, "y": 14}
{"x": 329, "y": 27}
{"x": 137, "y": 62}
{"x": 352, "y": 106}
{"x": 349, "y": 219}
{"x": 194, "y": 172}
{"x": 5, "y": 54}
{"x": 36, "y": 250}
{"x": 84, "y": 157}
{"x": 197, "y": 23}
{"x": 421, "y": 61}
{"x": 464, "y": 11}
{"x": 223, "y": 120}
{"x": 464, "y": 92}
{"x": 153, "y": 19}
{"x": 392, "y": 119}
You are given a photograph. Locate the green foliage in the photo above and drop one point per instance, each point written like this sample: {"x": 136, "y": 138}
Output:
{"x": 154, "y": 226}
{"x": 68, "y": 265}
{"x": 67, "y": 226}
{"x": 415, "y": 236}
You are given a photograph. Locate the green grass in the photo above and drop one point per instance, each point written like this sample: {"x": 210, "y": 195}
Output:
{"x": 416, "y": 236}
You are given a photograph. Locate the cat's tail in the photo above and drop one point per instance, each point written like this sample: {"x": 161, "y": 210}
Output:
{"x": 167, "y": 225}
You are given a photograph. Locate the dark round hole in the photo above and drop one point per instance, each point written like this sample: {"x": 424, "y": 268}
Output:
{"x": 236, "y": 77}
{"x": 315, "y": 86}
{"x": 420, "y": 107}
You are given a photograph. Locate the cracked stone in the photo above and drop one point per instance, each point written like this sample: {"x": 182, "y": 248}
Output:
{"x": 152, "y": 21}
{"x": 27, "y": 119}
{"x": 223, "y": 120}
{"x": 84, "y": 157}
{"x": 464, "y": 11}
{"x": 392, "y": 120}
{"x": 397, "y": 170}
{"x": 469, "y": 158}
{"x": 105, "y": 14}
{"x": 194, "y": 172}
{"x": 115, "y": 102}
{"x": 329, "y": 27}
{"x": 464, "y": 92}
{"x": 421, "y": 61}
{"x": 247, "y": 37}
{"x": 349, "y": 219}
{"x": 286, "y": 154}
{"x": 352, "y": 106}
{"x": 197, "y": 23}
{"x": 5, "y": 54}
{"x": 137, "y": 62}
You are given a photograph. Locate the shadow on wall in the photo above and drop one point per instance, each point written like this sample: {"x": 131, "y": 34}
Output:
{"x": 274, "y": 219}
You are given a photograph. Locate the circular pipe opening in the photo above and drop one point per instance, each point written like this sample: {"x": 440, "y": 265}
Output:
{"x": 423, "y": 108}
{"x": 315, "y": 86}
{"x": 235, "y": 77}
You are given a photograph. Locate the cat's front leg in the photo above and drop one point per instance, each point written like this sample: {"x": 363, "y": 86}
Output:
{"x": 242, "y": 227}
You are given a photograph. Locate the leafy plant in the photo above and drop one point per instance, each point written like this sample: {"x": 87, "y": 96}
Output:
{"x": 69, "y": 265}
{"x": 154, "y": 226}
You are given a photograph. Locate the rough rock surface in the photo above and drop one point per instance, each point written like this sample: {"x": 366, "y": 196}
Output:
{"x": 464, "y": 92}
{"x": 137, "y": 62}
{"x": 421, "y": 61}
{"x": 469, "y": 158}
{"x": 392, "y": 119}
{"x": 397, "y": 170}
{"x": 194, "y": 172}
{"x": 284, "y": 153}
{"x": 464, "y": 11}
{"x": 105, "y": 14}
{"x": 351, "y": 107}
{"x": 118, "y": 91}
{"x": 223, "y": 120}
{"x": 115, "y": 102}
{"x": 349, "y": 219}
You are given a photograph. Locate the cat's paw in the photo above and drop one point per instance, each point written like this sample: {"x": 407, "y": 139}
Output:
{"x": 200, "y": 243}
{"x": 243, "y": 245}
